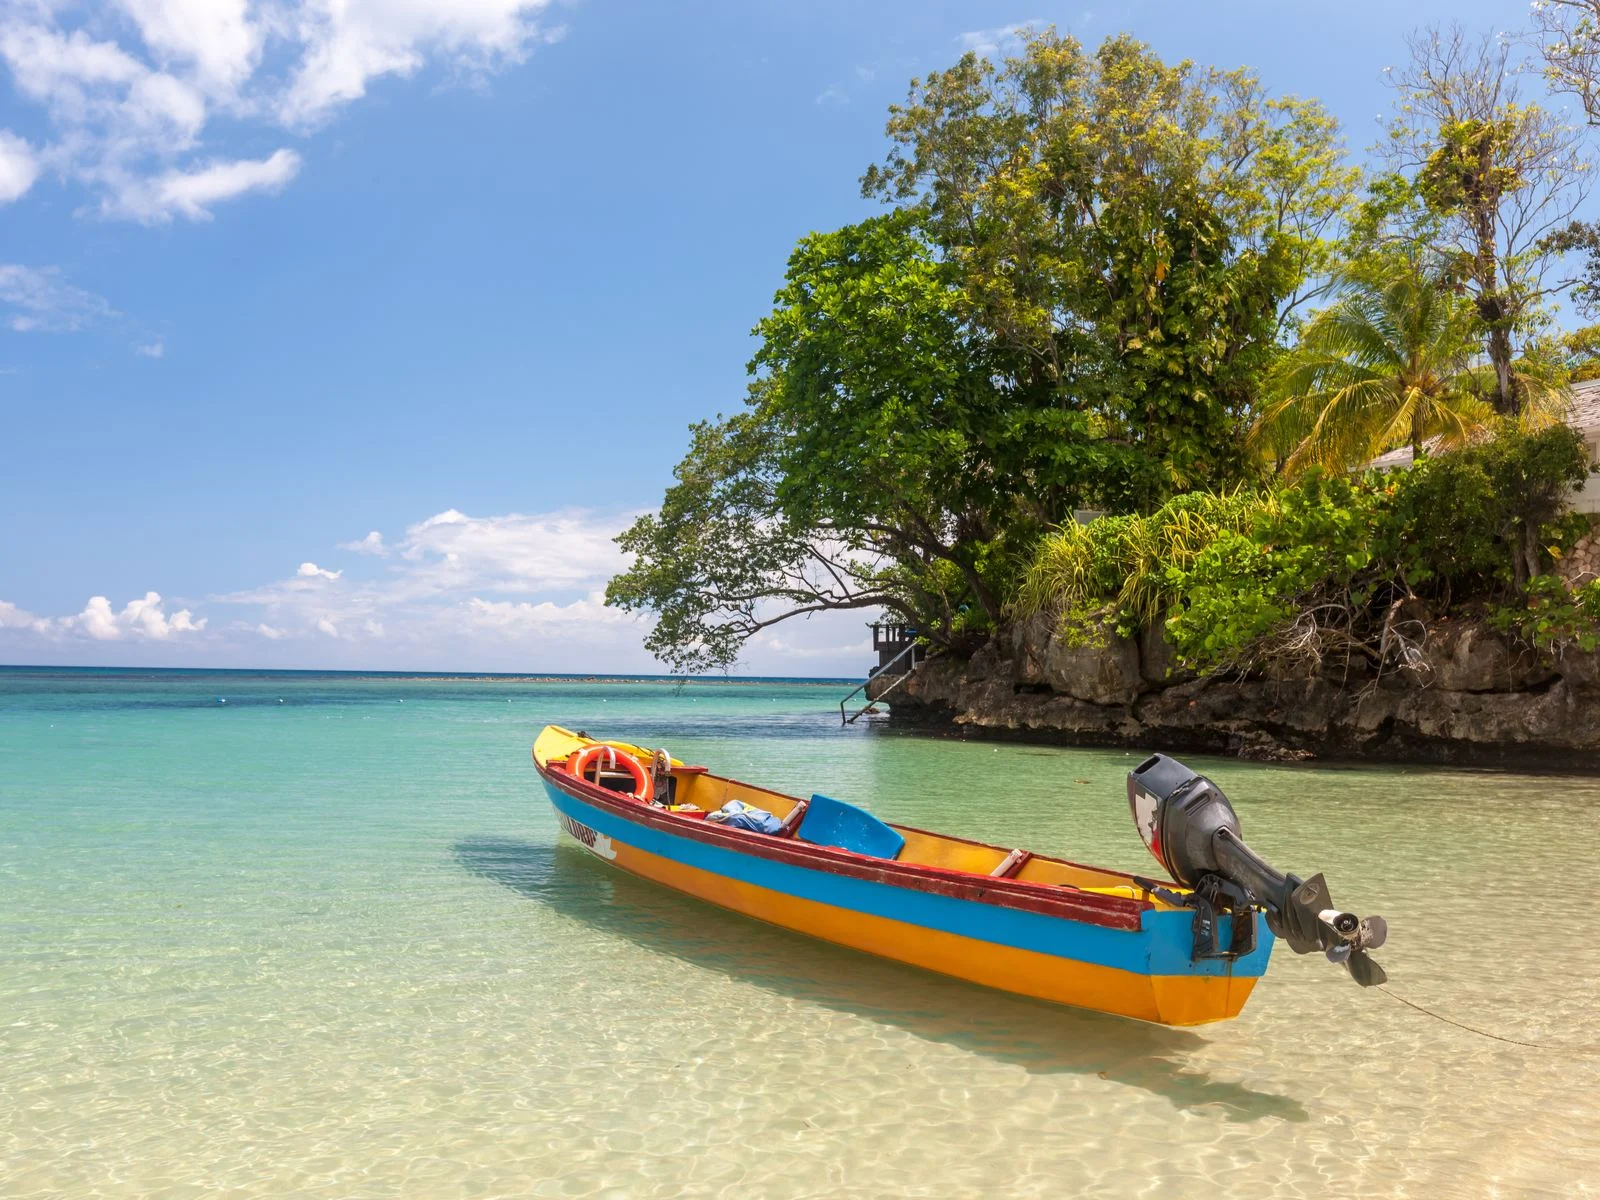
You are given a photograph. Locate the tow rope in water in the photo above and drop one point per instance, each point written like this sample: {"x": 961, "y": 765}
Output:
{"x": 1428, "y": 1012}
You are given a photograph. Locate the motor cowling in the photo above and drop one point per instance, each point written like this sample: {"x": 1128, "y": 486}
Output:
{"x": 1178, "y": 813}
{"x": 1189, "y": 825}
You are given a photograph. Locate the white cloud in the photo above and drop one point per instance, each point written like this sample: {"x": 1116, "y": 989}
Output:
{"x": 193, "y": 193}
{"x": 522, "y": 616}
{"x": 371, "y": 544}
{"x": 18, "y": 166}
{"x": 515, "y": 591}
{"x": 480, "y": 585}
{"x": 215, "y": 38}
{"x": 1001, "y": 40}
{"x": 513, "y": 553}
{"x": 130, "y": 101}
{"x": 155, "y": 349}
{"x": 139, "y": 620}
{"x": 449, "y": 558}
{"x": 348, "y": 43}
{"x": 507, "y": 592}
{"x": 42, "y": 302}
{"x": 12, "y": 617}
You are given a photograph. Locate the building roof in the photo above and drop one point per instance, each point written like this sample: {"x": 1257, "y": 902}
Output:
{"x": 1398, "y": 458}
{"x": 1584, "y": 412}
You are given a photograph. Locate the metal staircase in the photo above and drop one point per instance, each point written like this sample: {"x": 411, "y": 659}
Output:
{"x": 885, "y": 638}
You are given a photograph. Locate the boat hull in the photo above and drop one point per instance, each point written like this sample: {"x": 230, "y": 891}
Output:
{"x": 1142, "y": 969}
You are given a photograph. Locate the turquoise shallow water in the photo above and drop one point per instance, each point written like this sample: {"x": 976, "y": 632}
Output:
{"x": 320, "y": 940}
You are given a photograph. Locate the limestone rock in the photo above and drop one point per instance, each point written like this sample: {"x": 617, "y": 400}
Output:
{"x": 987, "y": 662}
{"x": 1158, "y": 659}
{"x": 1459, "y": 656}
{"x": 1030, "y": 644}
{"x": 1479, "y": 700}
{"x": 1098, "y": 674}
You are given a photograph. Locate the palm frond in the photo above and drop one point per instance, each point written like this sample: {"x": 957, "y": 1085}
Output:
{"x": 1389, "y": 358}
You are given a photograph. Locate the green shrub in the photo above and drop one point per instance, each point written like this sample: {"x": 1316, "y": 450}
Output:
{"x": 1118, "y": 567}
{"x": 1553, "y": 616}
{"x": 1333, "y": 563}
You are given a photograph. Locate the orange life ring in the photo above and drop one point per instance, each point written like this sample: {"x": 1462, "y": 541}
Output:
{"x": 614, "y": 759}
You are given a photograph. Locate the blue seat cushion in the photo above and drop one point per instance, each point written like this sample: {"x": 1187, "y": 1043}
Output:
{"x": 830, "y": 822}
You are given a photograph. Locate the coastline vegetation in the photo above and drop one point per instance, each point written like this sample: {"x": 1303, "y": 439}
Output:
{"x": 1333, "y": 566}
{"x": 1161, "y": 294}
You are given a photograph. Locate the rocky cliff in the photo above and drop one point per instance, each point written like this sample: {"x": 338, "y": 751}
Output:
{"x": 1472, "y": 698}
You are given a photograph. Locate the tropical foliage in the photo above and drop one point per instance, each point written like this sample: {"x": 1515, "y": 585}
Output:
{"x": 1389, "y": 362}
{"x": 1334, "y": 565}
{"x": 1085, "y": 269}
{"x": 1152, "y": 290}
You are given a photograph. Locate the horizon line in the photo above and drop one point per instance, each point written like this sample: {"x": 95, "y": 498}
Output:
{"x": 619, "y": 676}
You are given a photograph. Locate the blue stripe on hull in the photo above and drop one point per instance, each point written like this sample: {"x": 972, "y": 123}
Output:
{"x": 1161, "y": 947}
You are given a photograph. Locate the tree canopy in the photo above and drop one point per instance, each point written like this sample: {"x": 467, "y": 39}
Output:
{"x": 1085, "y": 268}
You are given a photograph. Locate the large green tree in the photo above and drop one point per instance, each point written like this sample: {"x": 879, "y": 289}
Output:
{"x": 1135, "y": 232}
{"x": 861, "y": 474}
{"x": 1082, "y": 278}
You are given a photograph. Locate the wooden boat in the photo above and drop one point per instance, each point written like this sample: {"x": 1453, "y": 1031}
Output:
{"x": 1002, "y": 917}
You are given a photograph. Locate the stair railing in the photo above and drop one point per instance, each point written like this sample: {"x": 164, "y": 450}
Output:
{"x": 878, "y": 674}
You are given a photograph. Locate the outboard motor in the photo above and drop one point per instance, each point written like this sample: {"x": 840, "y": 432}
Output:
{"x": 1188, "y": 824}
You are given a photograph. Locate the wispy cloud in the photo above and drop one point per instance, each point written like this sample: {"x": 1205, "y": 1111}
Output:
{"x": 130, "y": 97}
{"x": 40, "y": 300}
{"x": 515, "y": 585}
{"x": 1001, "y": 40}
{"x": 371, "y": 544}
{"x": 843, "y": 93}
{"x": 193, "y": 193}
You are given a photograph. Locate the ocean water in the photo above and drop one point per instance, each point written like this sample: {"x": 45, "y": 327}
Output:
{"x": 320, "y": 940}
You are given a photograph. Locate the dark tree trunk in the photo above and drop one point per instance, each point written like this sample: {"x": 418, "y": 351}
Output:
{"x": 1530, "y": 549}
{"x": 1491, "y": 301}
{"x": 1506, "y": 401}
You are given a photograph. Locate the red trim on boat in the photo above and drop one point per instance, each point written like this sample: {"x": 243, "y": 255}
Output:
{"x": 1047, "y": 899}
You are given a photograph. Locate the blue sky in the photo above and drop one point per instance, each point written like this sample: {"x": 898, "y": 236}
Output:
{"x": 278, "y": 276}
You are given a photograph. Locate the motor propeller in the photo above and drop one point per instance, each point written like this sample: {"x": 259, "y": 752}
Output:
{"x": 1188, "y": 824}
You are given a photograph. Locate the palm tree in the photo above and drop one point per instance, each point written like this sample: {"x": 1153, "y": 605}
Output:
{"x": 1388, "y": 363}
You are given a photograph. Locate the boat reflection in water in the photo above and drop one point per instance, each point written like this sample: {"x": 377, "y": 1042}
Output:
{"x": 1042, "y": 1039}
